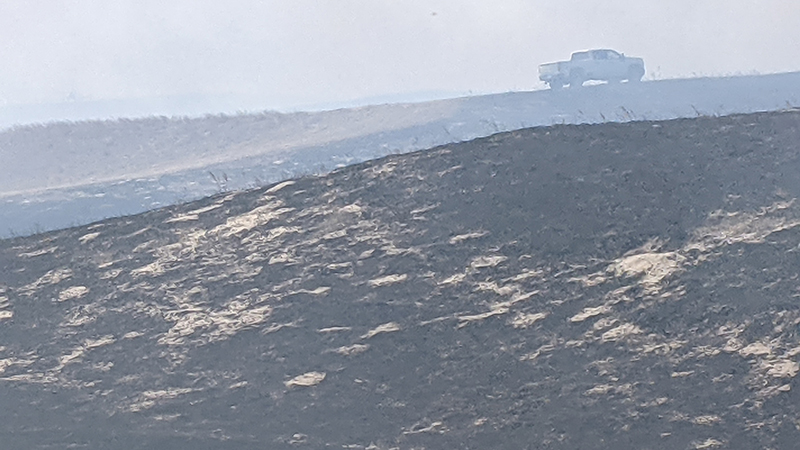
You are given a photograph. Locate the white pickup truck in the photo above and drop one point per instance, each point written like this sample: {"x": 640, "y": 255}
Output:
{"x": 600, "y": 65}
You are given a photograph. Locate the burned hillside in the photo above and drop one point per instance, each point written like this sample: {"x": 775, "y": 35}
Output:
{"x": 580, "y": 286}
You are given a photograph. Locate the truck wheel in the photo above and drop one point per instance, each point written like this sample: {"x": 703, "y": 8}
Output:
{"x": 556, "y": 83}
{"x": 576, "y": 79}
{"x": 635, "y": 74}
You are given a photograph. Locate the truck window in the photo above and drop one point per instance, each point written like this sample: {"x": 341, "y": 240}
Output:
{"x": 580, "y": 56}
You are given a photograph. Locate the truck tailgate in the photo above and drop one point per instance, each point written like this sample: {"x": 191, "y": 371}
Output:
{"x": 549, "y": 68}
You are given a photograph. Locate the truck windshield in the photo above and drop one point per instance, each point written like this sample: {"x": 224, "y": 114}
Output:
{"x": 580, "y": 56}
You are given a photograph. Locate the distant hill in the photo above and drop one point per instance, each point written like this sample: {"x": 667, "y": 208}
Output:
{"x": 613, "y": 286}
{"x": 64, "y": 174}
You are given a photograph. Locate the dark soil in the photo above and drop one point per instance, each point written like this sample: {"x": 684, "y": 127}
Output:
{"x": 619, "y": 286}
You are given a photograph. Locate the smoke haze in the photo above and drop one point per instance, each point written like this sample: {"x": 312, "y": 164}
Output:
{"x": 308, "y": 52}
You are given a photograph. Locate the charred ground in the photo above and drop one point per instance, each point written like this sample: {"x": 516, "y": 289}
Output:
{"x": 597, "y": 286}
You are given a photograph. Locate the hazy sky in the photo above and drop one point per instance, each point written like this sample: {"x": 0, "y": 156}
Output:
{"x": 300, "y": 52}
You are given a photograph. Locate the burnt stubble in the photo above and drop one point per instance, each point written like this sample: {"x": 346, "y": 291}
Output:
{"x": 621, "y": 286}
